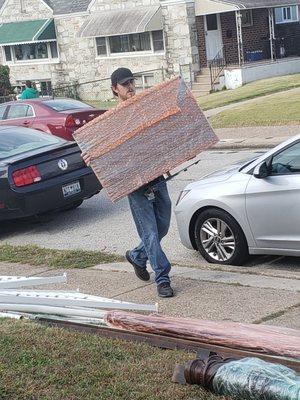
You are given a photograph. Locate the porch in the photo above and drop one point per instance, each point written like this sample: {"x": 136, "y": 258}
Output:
{"x": 242, "y": 36}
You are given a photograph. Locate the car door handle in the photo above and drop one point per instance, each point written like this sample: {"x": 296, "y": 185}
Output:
{"x": 26, "y": 122}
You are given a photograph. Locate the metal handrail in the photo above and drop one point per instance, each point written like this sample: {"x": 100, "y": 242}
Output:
{"x": 217, "y": 65}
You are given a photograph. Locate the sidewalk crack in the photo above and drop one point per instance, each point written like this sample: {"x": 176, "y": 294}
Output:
{"x": 276, "y": 314}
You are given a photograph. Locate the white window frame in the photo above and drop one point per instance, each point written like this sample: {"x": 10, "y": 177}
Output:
{"x": 285, "y": 20}
{"x": 143, "y": 78}
{"x": 146, "y": 53}
{"x": 36, "y": 61}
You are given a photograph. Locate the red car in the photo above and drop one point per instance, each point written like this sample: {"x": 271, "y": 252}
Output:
{"x": 60, "y": 117}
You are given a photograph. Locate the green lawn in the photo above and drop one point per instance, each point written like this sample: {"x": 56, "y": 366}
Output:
{"x": 278, "y": 109}
{"x": 249, "y": 91}
{"x": 35, "y": 255}
{"x": 41, "y": 363}
{"x": 104, "y": 105}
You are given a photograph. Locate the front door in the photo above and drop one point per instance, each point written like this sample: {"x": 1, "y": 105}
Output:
{"x": 213, "y": 36}
{"x": 273, "y": 203}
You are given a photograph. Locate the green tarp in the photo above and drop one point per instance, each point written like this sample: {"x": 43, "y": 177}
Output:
{"x": 27, "y": 31}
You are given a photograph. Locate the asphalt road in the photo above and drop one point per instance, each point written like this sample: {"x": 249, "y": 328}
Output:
{"x": 101, "y": 225}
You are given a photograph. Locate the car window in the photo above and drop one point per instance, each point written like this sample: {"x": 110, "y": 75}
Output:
{"x": 19, "y": 111}
{"x": 2, "y": 111}
{"x": 287, "y": 161}
{"x": 65, "y": 104}
{"x": 16, "y": 141}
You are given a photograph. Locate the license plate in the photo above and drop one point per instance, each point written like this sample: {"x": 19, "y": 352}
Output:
{"x": 71, "y": 189}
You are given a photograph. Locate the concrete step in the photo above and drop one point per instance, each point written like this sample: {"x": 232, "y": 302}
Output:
{"x": 199, "y": 93}
{"x": 202, "y": 86}
{"x": 202, "y": 79}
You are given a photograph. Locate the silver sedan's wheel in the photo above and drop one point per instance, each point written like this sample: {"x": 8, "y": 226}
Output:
{"x": 217, "y": 239}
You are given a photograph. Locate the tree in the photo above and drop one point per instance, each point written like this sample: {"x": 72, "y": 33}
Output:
{"x": 5, "y": 86}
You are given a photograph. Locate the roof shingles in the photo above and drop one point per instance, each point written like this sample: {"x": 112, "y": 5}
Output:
{"x": 67, "y": 6}
{"x": 64, "y": 6}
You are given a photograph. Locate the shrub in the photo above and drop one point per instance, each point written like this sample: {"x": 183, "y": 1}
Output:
{"x": 5, "y": 86}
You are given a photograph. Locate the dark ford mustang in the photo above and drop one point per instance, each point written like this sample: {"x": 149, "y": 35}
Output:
{"x": 41, "y": 173}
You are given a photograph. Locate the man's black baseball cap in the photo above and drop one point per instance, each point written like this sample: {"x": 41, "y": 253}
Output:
{"x": 121, "y": 75}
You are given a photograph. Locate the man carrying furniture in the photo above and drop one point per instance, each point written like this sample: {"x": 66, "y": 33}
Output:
{"x": 150, "y": 207}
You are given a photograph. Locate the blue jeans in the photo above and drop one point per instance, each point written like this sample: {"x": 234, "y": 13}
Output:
{"x": 152, "y": 215}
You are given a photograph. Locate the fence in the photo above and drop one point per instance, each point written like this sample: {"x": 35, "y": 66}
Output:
{"x": 100, "y": 89}
{"x": 4, "y": 99}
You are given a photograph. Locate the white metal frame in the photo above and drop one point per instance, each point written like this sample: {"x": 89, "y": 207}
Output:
{"x": 68, "y": 299}
{"x": 238, "y": 17}
{"x": 272, "y": 33}
{"x": 13, "y": 282}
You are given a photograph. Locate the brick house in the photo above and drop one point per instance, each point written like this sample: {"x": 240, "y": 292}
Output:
{"x": 245, "y": 40}
{"x": 59, "y": 42}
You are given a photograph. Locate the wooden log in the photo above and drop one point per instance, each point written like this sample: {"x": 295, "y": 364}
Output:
{"x": 145, "y": 137}
{"x": 262, "y": 339}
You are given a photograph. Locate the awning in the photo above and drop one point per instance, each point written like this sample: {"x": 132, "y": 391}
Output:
{"x": 42, "y": 30}
{"x": 205, "y": 7}
{"x": 121, "y": 22}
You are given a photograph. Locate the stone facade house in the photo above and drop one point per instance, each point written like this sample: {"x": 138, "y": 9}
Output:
{"x": 58, "y": 42}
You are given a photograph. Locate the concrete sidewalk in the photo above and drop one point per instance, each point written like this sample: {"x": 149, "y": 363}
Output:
{"x": 255, "y": 137}
{"x": 200, "y": 293}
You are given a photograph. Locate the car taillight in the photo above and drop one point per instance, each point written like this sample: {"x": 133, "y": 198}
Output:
{"x": 71, "y": 122}
{"x": 26, "y": 176}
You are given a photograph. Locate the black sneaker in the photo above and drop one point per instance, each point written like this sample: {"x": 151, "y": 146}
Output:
{"x": 141, "y": 273}
{"x": 164, "y": 290}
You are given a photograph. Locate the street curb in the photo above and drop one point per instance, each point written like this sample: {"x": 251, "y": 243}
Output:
{"x": 231, "y": 144}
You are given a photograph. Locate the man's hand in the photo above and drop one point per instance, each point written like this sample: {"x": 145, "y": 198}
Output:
{"x": 86, "y": 158}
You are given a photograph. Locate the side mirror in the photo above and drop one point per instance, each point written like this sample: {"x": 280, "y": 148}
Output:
{"x": 261, "y": 171}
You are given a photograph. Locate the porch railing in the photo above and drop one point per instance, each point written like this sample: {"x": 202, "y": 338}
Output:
{"x": 216, "y": 66}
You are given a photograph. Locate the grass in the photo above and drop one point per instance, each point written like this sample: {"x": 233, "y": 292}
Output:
{"x": 104, "y": 105}
{"x": 35, "y": 255}
{"x": 278, "y": 109}
{"x": 42, "y": 363}
{"x": 250, "y": 91}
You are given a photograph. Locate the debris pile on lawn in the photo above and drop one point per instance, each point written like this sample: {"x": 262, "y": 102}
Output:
{"x": 262, "y": 339}
{"x": 145, "y": 137}
{"x": 69, "y": 305}
{"x": 247, "y": 378}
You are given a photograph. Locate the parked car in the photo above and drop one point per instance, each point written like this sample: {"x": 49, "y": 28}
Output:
{"x": 245, "y": 209}
{"x": 60, "y": 117}
{"x": 41, "y": 173}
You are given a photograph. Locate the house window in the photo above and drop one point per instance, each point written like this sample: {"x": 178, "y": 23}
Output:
{"x": 149, "y": 42}
{"x": 247, "y": 18}
{"x": 31, "y": 51}
{"x": 284, "y": 15}
{"x": 101, "y": 46}
{"x": 143, "y": 82}
{"x": 158, "y": 40}
{"x": 7, "y": 51}
{"x": 130, "y": 43}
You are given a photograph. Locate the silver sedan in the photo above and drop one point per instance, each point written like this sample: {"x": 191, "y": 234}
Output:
{"x": 250, "y": 208}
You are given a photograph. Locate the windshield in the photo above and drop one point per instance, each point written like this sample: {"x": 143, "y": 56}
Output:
{"x": 14, "y": 141}
{"x": 65, "y": 104}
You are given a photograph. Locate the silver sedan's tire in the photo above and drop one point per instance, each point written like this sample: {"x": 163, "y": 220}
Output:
{"x": 219, "y": 238}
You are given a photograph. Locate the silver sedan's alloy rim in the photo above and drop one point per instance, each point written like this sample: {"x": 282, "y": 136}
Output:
{"x": 217, "y": 239}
